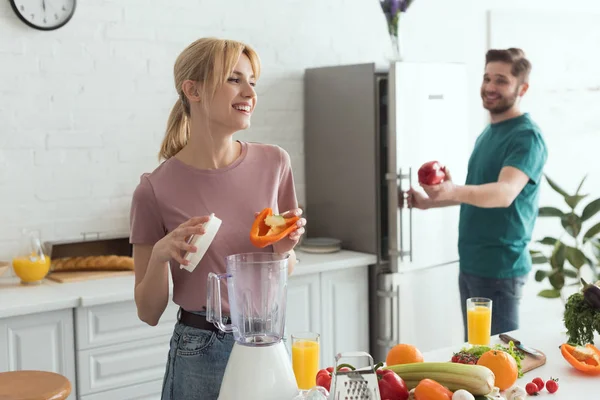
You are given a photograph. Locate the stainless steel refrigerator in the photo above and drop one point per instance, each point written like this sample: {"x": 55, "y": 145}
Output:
{"x": 367, "y": 130}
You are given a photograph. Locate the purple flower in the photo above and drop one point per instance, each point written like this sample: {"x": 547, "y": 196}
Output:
{"x": 392, "y": 10}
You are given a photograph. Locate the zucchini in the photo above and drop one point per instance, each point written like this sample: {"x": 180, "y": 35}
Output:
{"x": 476, "y": 379}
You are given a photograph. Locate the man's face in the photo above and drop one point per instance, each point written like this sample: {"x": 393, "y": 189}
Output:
{"x": 499, "y": 89}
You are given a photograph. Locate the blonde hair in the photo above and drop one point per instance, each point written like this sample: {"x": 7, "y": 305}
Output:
{"x": 207, "y": 60}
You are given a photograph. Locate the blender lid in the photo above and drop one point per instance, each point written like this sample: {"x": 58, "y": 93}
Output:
{"x": 202, "y": 242}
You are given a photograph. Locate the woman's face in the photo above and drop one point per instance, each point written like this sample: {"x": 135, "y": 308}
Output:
{"x": 234, "y": 101}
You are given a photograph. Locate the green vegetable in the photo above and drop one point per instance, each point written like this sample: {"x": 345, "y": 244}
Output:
{"x": 581, "y": 320}
{"x": 518, "y": 355}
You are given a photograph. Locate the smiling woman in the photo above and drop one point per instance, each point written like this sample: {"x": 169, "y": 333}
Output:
{"x": 205, "y": 172}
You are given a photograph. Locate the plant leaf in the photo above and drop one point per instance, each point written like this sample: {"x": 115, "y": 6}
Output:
{"x": 549, "y": 293}
{"x": 569, "y": 273}
{"x": 572, "y": 201}
{"x": 540, "y": 275}
{"x": 590, "y": 210}
{"x": 572, "y": 224}
{"x": 596, "y": 247}
{"x": 593, "y": 231}
{"x": 581, "y": 184}
{"x": 575, "y": 257}
{"x": 550, "y": 241}
{"x": 550, "y": 212}
{"x": 559, "y": 254}
{"x": 539, "y": 259}
{"x": 557, "y": 188}
{"x": 557, "y": 279}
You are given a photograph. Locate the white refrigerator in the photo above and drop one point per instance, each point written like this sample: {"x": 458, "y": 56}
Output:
{"x": 367, "y": 130}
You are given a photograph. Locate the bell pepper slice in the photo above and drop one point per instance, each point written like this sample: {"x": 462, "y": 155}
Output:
{"x": 268, "y": 228}
{"x": 585, "y": 359}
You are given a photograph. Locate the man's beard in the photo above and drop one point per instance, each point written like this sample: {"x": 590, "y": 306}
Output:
{"x": 503, "y": 103}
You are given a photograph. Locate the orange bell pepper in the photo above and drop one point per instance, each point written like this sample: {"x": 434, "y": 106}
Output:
{"x": 585, "y": 359}
{"x": 268, "y": 228}
{"x": 428, "y": 389}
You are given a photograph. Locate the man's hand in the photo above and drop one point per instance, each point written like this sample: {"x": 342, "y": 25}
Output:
{"x": 416, "y": 199}
{"x": 442, "y": 192}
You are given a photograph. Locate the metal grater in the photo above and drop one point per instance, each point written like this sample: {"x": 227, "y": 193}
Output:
{"x": 354, "y": 385}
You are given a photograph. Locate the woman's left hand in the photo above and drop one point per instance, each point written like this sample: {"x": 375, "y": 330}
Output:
{"x": 288, "y": 243}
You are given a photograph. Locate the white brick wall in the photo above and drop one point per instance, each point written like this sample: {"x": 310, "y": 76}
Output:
{"x": 83, "y": 109}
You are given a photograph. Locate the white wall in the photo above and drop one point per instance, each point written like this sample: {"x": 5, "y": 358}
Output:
{"x": 82, "y": 109}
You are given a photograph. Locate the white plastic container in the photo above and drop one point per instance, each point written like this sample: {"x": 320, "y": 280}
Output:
{"x": 202, "y": 242}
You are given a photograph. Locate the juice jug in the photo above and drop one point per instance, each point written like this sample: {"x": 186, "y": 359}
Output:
{"x": 31, "y": 264}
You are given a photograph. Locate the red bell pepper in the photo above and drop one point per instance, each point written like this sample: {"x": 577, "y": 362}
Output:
{"x": 324, "y": 375}
{"x": 391, "y": 386}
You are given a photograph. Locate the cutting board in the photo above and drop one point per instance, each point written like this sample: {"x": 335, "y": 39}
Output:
{"x": 77, "y": 276}
{"x": 530, "y": 362}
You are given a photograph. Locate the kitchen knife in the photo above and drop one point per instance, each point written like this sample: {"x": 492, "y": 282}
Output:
{"x": 505, "y": 338}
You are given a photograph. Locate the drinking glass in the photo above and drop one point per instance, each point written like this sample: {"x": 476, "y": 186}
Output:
{"x": 479, "y": 320}
{"x": 305, "y": 358}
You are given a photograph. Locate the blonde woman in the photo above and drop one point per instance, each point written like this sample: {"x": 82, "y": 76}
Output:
{"x": 205, "y": 171}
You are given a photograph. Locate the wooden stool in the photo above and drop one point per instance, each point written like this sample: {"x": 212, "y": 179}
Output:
{"x": 33, "y": 385}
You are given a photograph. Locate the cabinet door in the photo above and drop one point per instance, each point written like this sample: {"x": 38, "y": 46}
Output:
{"x": 430, "y": 315}
{"x": 42, "y": 341}
{"x": 122, "y": 365}
{"x": 345, "y": 313}
{"x": 303, "y": 312}
{"x": 143, "y": 391}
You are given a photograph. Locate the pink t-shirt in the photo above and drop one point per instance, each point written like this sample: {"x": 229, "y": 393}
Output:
{"x": 175, "y": 192}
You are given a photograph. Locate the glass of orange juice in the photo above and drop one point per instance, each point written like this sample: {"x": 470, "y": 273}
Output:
{"x": 479, "y": 320}
{"x": 305, "y": 358}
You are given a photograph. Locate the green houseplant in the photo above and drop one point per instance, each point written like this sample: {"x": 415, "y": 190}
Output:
{"x": 575, "y": 248}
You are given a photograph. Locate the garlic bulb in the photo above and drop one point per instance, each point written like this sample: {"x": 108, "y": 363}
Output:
{"x": 516, "y": 393}
{"x": 462, "y": 394}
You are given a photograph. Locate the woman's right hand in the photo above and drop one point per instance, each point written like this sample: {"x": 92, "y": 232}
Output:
{"x": 176, "y": 241}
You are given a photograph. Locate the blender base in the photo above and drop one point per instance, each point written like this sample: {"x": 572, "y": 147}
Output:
{"x": 259, "y": 372}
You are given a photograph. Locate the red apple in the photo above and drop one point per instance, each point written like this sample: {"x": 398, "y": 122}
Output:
{"x": 431, "y": 173}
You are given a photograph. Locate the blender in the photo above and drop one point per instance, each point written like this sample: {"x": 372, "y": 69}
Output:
{"x": 259, "y": 366}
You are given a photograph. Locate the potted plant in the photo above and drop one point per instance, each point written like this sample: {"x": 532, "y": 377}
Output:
{"x": 575, "y": 248}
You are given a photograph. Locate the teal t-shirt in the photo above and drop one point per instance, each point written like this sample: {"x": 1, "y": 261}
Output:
{"x": 493, "y": 242}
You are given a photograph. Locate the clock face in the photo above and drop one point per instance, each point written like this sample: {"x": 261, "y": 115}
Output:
{"x": 44, "y": 14}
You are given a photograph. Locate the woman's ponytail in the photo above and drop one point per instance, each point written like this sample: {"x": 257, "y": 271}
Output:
{"x": 178, "y": 131}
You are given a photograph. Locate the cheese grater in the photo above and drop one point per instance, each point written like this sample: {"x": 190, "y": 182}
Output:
{"x": 360, "y": 384}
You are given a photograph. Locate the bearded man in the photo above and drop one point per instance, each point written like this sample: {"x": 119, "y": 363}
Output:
{"x": 499, "y": 200}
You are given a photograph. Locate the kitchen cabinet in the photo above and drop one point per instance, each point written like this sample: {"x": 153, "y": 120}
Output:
{"x": 94, "y": 337}
{"x": 115, "y": 350}
{"x": 333, "y": 304}
{"x": 41, "y": 341}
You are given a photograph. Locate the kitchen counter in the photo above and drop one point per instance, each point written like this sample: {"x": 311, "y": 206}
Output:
{"x": 17, "y": 299}
{"x": 547, "y": 338}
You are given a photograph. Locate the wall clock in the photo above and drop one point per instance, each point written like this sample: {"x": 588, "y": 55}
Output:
{"x": 45, "y": 15}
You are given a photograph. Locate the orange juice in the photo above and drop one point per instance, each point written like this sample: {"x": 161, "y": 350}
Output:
{"x": 479, "y": 323}
{"x": 305, "y": 361}
{"x": 31, "y": 269}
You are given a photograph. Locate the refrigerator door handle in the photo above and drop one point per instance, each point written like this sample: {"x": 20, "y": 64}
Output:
{"x": 403, "y": 194}
{"x": 391, "y": 298}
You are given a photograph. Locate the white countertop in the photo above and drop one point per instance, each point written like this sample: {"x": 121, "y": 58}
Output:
{"x": 17, "y": 299}
{"x": 573, "y": 385}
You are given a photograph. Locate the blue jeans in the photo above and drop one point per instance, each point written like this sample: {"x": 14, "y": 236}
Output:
{"x": 506, "y": 297}
{"x": 196, "y": 363}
